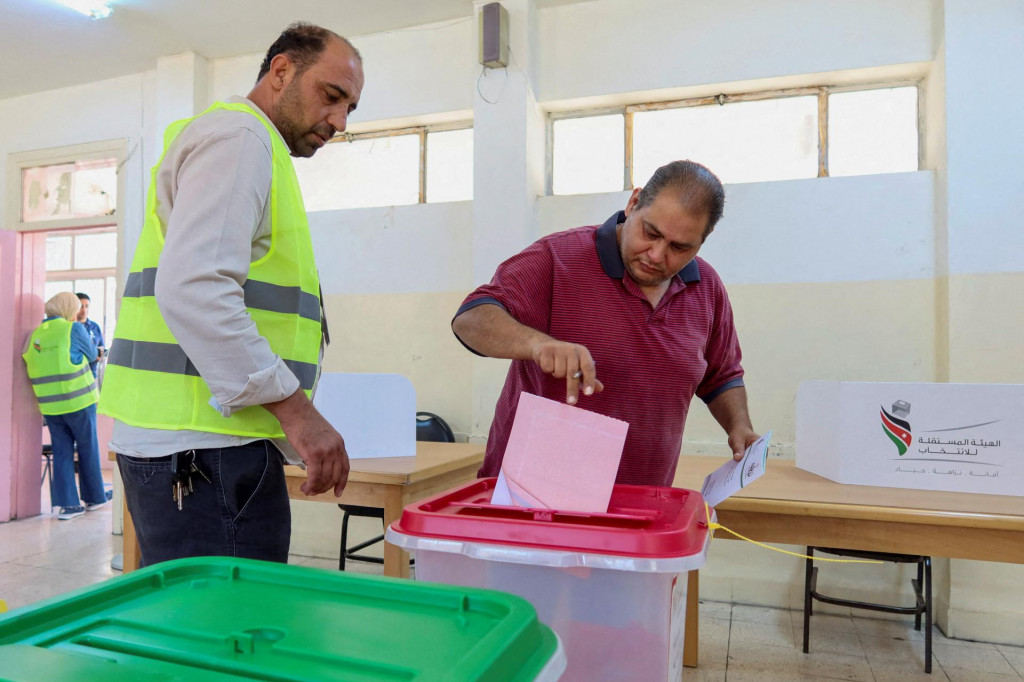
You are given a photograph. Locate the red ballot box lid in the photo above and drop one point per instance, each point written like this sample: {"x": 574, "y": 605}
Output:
{"x": 642, "y": 521}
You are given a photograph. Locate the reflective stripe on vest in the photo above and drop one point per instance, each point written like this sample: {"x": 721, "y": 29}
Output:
{"x": 60, "y": 377}
{"x": 258, "y": 295}
{"x": 67, "y": 396}
{"x": 153, "y": 356}
{"x": 150, "y": 381}
{"x": 61, "y": 387}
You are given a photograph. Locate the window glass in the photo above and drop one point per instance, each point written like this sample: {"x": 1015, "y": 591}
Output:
{"x": 58, "y": 253}
{"x": 96, "y": 289}
{"x": 91, "y": 270}
{"x": 95, "y": 188}
{"x": 450, "y": 165}
{"x": 588, "y": 154}
{"x": 774, "y": 139}
{"x": 380, "y": 171}
{"x": 46, "y": 192}
{"x": 872, "y": 131}
{"x": 84, "y": 189}
{"x": 96, "y": 251}
{"x": 53, "y": 288}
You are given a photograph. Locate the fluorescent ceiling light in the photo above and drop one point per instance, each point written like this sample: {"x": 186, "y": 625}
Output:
{"x": 94, "y": 9}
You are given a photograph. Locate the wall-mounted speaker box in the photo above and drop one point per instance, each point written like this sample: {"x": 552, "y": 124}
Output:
{"x": 493, "y": 35}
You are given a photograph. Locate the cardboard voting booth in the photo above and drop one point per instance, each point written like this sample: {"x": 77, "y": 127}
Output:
{"x": 376, "y": 413}
{"x": 947, "y": 437}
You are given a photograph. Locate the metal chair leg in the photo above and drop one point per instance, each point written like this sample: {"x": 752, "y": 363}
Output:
{"x": 808, "y": 573}
{"x": 344, "y": 540}
{"x": 920, "y": 581}
{"x": 48, "y": 473}
{"x": 928, "y": 614}
{"x": 347, "y": 553}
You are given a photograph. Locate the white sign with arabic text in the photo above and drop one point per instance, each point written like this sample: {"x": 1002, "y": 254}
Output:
{"x": 949, "y": 437}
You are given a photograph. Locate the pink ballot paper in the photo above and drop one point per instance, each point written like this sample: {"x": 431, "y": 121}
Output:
{"x": 559, "y": 457}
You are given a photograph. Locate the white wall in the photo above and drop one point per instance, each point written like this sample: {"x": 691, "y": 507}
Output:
{"x": 983, "y": 201}
{"x": 395, "y": 249}
{"x": 92, "y": 112}
{"x": 417, "y": 72}
{"x": 984, "y": 53}
{"x": 609, "y": 46}
{"x": 822, "y": 230}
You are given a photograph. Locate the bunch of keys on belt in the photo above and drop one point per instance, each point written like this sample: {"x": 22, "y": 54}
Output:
{"x": 183, "y": 465}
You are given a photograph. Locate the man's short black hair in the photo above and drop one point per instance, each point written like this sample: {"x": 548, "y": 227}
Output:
{"x": 81, "y": 295}
{"x": 303, "y": 42}
{"x": 696, "y": 187}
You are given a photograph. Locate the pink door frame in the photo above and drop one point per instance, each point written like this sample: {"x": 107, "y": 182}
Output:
{"x": 22, "y": 281}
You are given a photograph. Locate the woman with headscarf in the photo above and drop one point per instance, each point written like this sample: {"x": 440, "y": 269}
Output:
{"x": 57, "y": 355}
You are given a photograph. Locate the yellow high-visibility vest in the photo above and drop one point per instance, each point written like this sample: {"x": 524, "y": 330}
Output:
{"x": 150, "y": 382}
{"x": 61, "y": 387}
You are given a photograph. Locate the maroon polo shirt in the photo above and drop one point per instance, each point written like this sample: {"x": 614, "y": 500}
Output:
{"x": 652, "y": 361}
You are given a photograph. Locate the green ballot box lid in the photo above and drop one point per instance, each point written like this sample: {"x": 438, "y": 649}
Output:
{"x": 218, "y": 619}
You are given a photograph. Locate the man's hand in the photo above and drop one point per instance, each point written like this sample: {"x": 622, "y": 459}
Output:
{"x": 570, "y": 361}
{"x": 729, "y": 409}
{"x": 319, "y": 445}
{"x": 490, "y": 330}
{"x": 740, "y": 440}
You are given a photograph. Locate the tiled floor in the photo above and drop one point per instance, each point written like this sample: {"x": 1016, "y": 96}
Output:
{"x": 740, "y": 643}
{"x": 42, "y": 557}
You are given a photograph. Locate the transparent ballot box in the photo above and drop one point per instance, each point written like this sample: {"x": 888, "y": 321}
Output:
{"x": 612, "y": 586}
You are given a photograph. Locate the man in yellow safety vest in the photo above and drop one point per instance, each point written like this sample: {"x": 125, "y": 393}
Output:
{"x": 219, "y": 340}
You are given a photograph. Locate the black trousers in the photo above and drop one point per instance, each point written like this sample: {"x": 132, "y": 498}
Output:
{"x": 243, "y": 511}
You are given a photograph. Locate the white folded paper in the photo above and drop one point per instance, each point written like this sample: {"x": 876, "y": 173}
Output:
{"x": 732, "y": 476}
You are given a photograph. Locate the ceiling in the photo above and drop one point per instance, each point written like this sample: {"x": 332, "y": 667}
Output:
{"x": 48, "y": 46}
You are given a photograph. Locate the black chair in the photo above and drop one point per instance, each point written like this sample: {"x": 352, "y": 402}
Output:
{"x": 429, "y": 427}
{"x": 922, "y": 592}
{"x": 48, "y": 465}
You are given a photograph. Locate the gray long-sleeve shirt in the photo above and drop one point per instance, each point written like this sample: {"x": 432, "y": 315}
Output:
{"x": 212, "y": 190}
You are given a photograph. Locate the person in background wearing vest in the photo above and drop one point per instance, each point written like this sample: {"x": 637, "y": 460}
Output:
{"x": 95, "y": 333}
{"x": 57, "y": 356}
{"x": 219, "y": 340}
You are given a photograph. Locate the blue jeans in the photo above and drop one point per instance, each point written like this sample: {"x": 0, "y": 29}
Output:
{"x": 243, "y": 511}
{"x": 67, "y": 430}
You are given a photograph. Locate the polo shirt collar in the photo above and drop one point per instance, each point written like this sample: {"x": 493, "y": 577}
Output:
{"x": 611, "y": 258}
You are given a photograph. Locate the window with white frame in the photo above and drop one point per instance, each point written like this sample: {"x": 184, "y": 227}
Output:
{"x": 74, "y": 195}
{"x": 754, "y": 137}
{"x": 85, "y": 262}
{"x": 424, "y": 164}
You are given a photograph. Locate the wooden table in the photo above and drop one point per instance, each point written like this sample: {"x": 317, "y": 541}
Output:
{"x": 388, "y": 482}
{"x": 792, "y": 506}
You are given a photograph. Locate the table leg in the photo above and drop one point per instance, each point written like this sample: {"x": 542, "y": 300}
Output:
{"x": 692, "y": 619}
{"x": 396, "y": 560}
{"x": 129, "y": 540}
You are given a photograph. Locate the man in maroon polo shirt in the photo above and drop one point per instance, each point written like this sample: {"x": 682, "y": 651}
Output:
{"x": 629, "y": 302}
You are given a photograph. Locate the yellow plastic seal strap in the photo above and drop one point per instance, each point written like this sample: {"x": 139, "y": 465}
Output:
{"x": 713, "y": 526}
